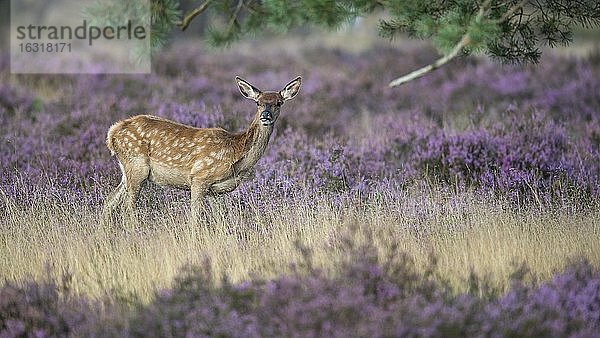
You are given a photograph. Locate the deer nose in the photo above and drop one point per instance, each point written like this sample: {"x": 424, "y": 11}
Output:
{"x": 266, "y": 115}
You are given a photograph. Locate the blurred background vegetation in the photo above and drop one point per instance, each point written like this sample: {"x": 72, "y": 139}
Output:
{"x": 480, "y": 164}
{"x": 509, "y": 31}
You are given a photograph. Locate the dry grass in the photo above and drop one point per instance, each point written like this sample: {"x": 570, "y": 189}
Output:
{"x": 463, "y": 232}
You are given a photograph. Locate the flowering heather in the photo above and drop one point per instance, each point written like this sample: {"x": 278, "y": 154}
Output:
{"x": 455, "y": 161}
{"x": 367, "y": 297}
{"x": 534, "y": 156}
{"x": 373, "y": 298}
{"x": 516, "y": 131}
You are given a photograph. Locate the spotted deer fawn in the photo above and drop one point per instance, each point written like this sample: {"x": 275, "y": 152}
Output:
{"x": 203, "y": 160}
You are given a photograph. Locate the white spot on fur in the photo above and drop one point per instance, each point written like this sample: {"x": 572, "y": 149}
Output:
{"x": 198, "y": 165}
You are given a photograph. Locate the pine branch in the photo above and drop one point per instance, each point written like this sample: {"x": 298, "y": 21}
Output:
{"x": 510, "y": 12}
{"x": 438, "y": 63}
{"x": 234, "y": 16}
{"x": 183, "y": 25}
{"x": 464, "y": 41}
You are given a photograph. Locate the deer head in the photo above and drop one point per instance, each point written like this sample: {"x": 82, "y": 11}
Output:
{"x": 269, "y": 103}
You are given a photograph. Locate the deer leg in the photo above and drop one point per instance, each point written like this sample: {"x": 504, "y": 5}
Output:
{"x": 113, "y": 200}
{"x": 198, "y": 194}
{"x": 115, "y": 197}
{"x": 137, "y": 172}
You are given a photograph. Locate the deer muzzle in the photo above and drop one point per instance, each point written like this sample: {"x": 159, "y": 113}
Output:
{"x": 266, "y": 117}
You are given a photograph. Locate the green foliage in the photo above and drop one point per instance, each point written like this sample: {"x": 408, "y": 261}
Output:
{"x": 160, "y": 15}
{"x": 538, "y": 23}
{"x": 482, "y": 33}
{"x": 165, "y": 15}
{"x": 243, "y": 17}
{"x": 512, "y": 31}
{"x": 508, "y": 30}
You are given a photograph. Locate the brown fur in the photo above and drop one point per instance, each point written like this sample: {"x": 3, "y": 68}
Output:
{"x": 204, "y": 160}
{"x": 204, "y": 152}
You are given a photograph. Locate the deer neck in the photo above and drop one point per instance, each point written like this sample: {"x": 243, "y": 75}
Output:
{"x": 254, "y": 142}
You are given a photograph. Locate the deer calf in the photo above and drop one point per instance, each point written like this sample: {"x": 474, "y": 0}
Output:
{"x": 203, "y": 160}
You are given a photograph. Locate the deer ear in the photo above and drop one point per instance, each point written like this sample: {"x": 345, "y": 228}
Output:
{"x": 248, "y": 90}
{"x": 291, "y": 89}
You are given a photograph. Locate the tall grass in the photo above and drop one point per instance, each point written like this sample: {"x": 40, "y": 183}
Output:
{"x": 478, "y": 166}
{"x": 465, "y": 231}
